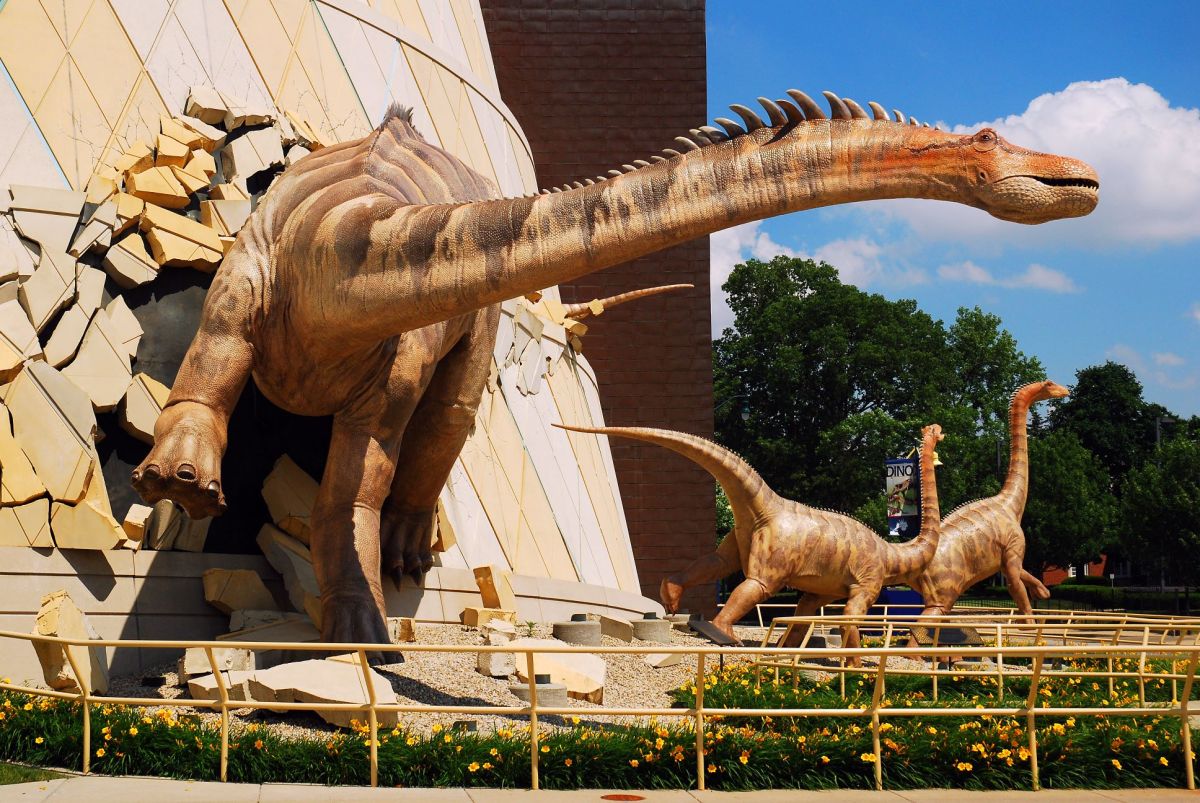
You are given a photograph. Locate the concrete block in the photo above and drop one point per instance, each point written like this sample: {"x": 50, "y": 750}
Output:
{"x": 581, "y": 673}
{"x": 229, "y": 590}
{"x": 256, "y": 151}
{"x": 18, "y": 339}
{"x": 179, "y": 241}
{"x": 293, "y": 561}
{"x": 616, "y": 628}
{"x": 237, "y": 685}
{"x": 656, "y": 630}
{"x": 228, "y": 192}
{"x": 241, "y": 113}
{"x": 550, "y": 695}
{"x": 170, "y": 152}
{"x": 19, "y": 482}
{"x": 290, "y": 493}
{"x": 162, "y": 525}
{"x": 144, "y": 402}
{"x": 60, "y": 616}
{"x": 135, "y": 522}
{"x": 190, "y": 182}
{"x": 129, "y": 263}
{"x": 192, "y": 534}
{"x": 68, "y": 333}
{"x": 495, "y": 588}
{"x": 26, "y": 525}
{"x": 250, "y": 618}
{"x": 55, "y": 425}
{"x": 661, "y": 660}
{"x": 224, "y": 217}
{"x": 444, "y": 538}
{"x": 584, "y": 633}
{"x": 320, "y": 681}
{"x": 195, "y": 661}
{"x": 101, "y": 368}
{"x": 50, "y": 289}
{"x": 181, "y": 133}
{"x": 201, "y": 164}
{"x": 46, "y": 215}
{"x": 158, "y": 185}
{"x": 480, "y": 617}
{"x": 137, "y": 158}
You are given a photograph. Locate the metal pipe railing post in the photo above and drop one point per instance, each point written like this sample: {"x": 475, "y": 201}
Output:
{"x": 533, "y": 722}
{"x": 1142, "y": 667}
{"x": 223, "y": 697}
{"x": 1031, "y": 722}
{"x": 372, "y": 716}
{"x": 876, "y": 696}
{"x": 700, "y": 681}
{"x": 999, "y": 662}
{"x": 1185, "y": 706}
{"x": 85, "y": 701}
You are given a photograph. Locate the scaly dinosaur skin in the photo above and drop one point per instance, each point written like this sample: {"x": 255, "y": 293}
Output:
{"x": 984, "y": 537}
{"x": 776, "y": 542}
{"x": 365, "y": 286}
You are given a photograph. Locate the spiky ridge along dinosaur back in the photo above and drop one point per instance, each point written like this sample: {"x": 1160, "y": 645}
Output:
{"x": 983, "y": 537}
{"x": 366, "y": 284}
{"x": 776, "y": 542}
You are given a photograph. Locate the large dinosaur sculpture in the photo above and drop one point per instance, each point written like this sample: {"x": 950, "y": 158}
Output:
{"x": 983, "y": 537}
{"x": 365, "y": 286}
{"x": 776, "y": 542}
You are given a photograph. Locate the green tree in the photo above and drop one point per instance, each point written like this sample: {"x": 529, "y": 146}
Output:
{"x": 1070, "y": 512}
{"x": 1160, "y": 510}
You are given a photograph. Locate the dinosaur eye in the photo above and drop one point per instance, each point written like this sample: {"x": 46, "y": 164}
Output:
{"x": 985, "y": 140}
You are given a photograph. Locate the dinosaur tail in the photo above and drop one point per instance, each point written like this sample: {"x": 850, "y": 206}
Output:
{"x": 581, "y": 311}
{"x": 748, "y": 493}
{"x": 911, "y": 558}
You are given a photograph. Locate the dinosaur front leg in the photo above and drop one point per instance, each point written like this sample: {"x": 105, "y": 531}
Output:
{"x": 432, "y": 442}
{"x": 862, "y": 595}
{"x": 345, "y": 534}
{"x": 705, "y": 569}
{"x": 1011, "y": 566}
{"x": 190, "y": 435}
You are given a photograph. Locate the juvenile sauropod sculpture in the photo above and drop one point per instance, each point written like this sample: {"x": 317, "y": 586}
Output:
{"x": 366, "y": 286}
{"x": 776, "y": 542}
{"x": 983, "y": 537}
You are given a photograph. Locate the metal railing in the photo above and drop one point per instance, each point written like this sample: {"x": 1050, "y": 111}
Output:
{"x": 1161, "y": 639}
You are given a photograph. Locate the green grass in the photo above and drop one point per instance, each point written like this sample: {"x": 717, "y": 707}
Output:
{"x": 15, "y": 773}
{"x": 978, "y": 752}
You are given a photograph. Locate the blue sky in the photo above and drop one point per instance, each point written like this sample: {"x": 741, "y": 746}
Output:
{"x": 1115, "y": 84}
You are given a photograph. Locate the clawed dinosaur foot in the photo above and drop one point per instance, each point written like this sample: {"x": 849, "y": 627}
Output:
{"x": 355, "y": 619}
{"x": 185, "y": 463}
{"x": 670, "y": 593}
{"x": 407, "y": 538}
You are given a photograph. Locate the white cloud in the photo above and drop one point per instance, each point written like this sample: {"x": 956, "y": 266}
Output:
{"x": 1156, "y": 371}
{"x": 1143, "y": 148}
{"x": 1168, "y": 358}
{"x": 859, "y": 260}
{"x": 1195, "y": 312}
{"x": 1035, "y": 277}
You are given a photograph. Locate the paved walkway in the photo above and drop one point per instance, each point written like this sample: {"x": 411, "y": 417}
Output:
{"x": 95, "y": 789}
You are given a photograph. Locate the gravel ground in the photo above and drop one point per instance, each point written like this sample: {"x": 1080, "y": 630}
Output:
{"x": 433, "y": 678}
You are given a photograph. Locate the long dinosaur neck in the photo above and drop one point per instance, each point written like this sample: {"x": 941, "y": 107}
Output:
{"x": 749, "y": 496}
{"x": 499, "y": 249}
{"x": 1016, "y": 482}
{"x": 909, "y": 559}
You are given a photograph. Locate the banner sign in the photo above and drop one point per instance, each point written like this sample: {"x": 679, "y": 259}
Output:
{"x": 903, "y": 497}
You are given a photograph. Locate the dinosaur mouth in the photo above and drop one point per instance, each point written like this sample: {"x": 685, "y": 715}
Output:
{"x": 1087, "y": 183}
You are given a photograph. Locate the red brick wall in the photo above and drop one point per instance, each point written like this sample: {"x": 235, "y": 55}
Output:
{"x": 595, "y": 84}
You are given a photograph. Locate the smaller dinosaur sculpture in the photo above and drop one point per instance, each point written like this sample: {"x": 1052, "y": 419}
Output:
{"x": 777, "y": 542}
{"x": 983, "y": 537}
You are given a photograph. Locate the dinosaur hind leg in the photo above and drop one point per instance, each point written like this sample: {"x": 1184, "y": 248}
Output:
{"x": 705, "y": 569}
{"x": 857, "y": 604}
{"x": 808, "y": 604}
{"x": 190, "y": 435}
{"x": 432, "y": 441}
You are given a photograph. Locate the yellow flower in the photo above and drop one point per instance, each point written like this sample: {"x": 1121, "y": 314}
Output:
{"x": 1070, "y": 722}
{"x": 447, "y": 738}
{"x": 1004, "y": 753}
{"x": 487, "y": 765}
{"x": 545, "y": 748}
{"x": 1163, "y": 761}
{"x": 38, "y": 740}
{"x": 568, "y": 761}
{"x": 100, "y": 753}
{"x": 868, "y": 757}
{"x": 473, "y": 766}
{"x": 574, "y": 720}
{"x": 744, "y": 757}
{"x": 1116, "y": 763}
{"x": 147, "y": 720}
{"x": 801, "y": 739}
{"x": 633, "y": 762}
{"x": 494, "y": 752}
{"x": 28, "y": 706}
{"x": 964, "y": 766}
{"x": 711, "y": 768}
{"x": 1058, "y": 728}
{"x": 410, "y": 741}
{"x": 258, "y": 744}
{"x": 885, "y": 727}
{"x": 824, "y": 759}
{"x": 658, "y": 743}
{"x": 133, "y": 731}
{"x": 436, "y": 728}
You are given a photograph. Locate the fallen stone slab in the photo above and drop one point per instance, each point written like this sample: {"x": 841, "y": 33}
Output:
{"x": 59, "y": 616}
{"x": 290, "y": 494}
{"x": 479, "y": 617}
{"x": 134, "y": 524}
{"x": 661, "y": 660}
{"x": 229, "y": 590}
{"x": 237, "y": 685}
{"x": 55, "y": 425}
{"x": 293, "y": 561}
{"x": 158, "y": 185}
{"x": 19, "y": 483}
{"x": 26, "y": 525}
{"x": 583, "y": 674}
{"x": 616, "y": 628}
{"x": 321, "y": 681}
{"x": 89, "y": 523}
{"x": 291, "y": 630}
{"x": 498, "y": 633}
{"x": 129, "y": 263}
{"x": 254, "y": 618}
{"x": 495, "y": 588}
{"x": 195, "y": 661}
{"x": 402, "y": 629}
{"x": 18, "y": 339}
{"x": 102, "y": 367}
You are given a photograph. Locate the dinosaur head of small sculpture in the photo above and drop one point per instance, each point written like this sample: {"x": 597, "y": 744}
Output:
{"x": 1050, "y": 390}
{"x": 934, "y": 432}
{"x": 1024, "y": 186}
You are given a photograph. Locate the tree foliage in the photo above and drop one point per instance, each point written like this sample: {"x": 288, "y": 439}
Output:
{"x": 1160, "y": 509}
